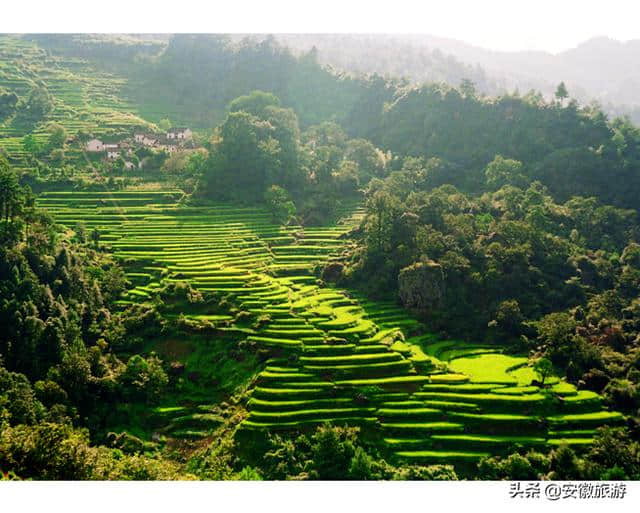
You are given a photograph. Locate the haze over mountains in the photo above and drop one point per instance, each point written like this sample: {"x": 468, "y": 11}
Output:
{"x": 601, "y": 69}
{"x": 222, "y": 260}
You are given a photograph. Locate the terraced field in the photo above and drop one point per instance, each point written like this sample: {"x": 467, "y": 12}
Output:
{"x": 84, "y": 98}
{"x": 335, "y": 356}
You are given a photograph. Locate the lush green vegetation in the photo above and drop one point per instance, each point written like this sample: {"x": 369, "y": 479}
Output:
{"x": 572, "y": 150}
{"x": 371, "y": 287}
{"x": 327, "y": 358}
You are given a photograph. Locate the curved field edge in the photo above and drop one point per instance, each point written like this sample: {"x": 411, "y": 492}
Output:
{"x": 333, "y": 357}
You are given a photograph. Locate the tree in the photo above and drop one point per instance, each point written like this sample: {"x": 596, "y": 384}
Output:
{"x": 95, "y": 237}
{"x": 346, "y": 177}
{"x": 118, "y": 165}
{"x": 543, "y": 368}
{"x": 248, "y": 474}
{"x": 31, "y": 145}
{"x": 467, "y": 88}
{"x": 8, "y": 102}
{"x": 246, "y": 160}
{"x": 361, "y": 467}
{"x": 10, "y": 191}
{"x": 143, "y": 379}
{"x": 57, "y": 136}
{"x": 39, "y": 104}
{"x": 381, "y": 209}
{"x": 114, "y": 282}
{"x": 509, "y": 318}
{"x": 81, "y": 231}
{"x": 20, "y": 400}
{"x": 255, "y": 103}
{"x": 276, "y": 136}
{"x": 279, "y": 204}
{"x": 371, "y": 161}
{"x": 197, "y": 162}
{"x": 57, "y": 157}
{"x": 556, "y": 334}
{"x": 164, "y": 124}
{"x": 561, "y": 92}
{"x": 47, "y": 451}
{"x": 501, "y": 171}
{"x": 74, "y": 373}
{"x": 514, "y": 466}
{"x": 613, "y": 447}
{"x": 564, "y": 464}
{"x": 287, "y": 133}
{"x": 332, "y": 452}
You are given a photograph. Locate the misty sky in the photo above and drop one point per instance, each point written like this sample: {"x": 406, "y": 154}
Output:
{"x": 532, "y": 25}
{"x": 549, "y": 25}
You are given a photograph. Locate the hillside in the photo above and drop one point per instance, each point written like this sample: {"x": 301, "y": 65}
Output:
{"x": 331, "y": 356}
{"x": 190, "y": 79}
{"x": 222, "y": 259}
{"x": 77, "y": 95}
{"x": 600, "y": 69}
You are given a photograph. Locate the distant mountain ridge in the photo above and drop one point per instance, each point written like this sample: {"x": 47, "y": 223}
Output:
{"x": 600, "y": 65}
{"x": 601, "y": 68}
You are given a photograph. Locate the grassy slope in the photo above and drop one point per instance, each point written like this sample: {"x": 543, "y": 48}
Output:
{"x": 84, "y": 98}
{"x": 332, "y": 357}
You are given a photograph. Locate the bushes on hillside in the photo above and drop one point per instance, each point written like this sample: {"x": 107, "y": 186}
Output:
{"x": 335, "y": 453}
{"x": 613, "y": 456}
{"x": 52, "y": 451}
{"x": 281, "y": 207}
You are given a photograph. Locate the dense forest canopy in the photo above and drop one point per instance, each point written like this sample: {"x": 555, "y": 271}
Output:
{"x": 600, "y": 69}
{"x": 166, "y": 305}
{"x": 561, "y": 143}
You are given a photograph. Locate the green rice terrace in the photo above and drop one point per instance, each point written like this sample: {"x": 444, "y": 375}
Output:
{"x": 334, "y": 355}
{"x": 83, "y": 97}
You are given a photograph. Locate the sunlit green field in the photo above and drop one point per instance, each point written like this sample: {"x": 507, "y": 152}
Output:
{"x": 334, "y": 356}
{"x": 83, "y": 97}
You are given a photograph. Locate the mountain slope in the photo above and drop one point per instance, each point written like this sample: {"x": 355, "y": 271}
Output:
{"x": 601, "y": 68}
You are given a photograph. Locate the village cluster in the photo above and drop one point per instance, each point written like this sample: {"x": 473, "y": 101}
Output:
{"x": 172, "y": 141}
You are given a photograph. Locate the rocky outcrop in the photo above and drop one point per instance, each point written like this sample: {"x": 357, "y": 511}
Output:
{"x": 421, "y": 286}
{"x": 332, "y": 272}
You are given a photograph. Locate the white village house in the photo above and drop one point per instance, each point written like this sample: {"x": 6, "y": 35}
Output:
{"x": 169, "y": 148}
{"x": 170, "y": 143}
{"x": 145, "y": 139}
{"x": 94, "y": 145}
{"x": 149, "y": 140}
{"x": 113, "y": 151}
{"x": 179, "y": 133}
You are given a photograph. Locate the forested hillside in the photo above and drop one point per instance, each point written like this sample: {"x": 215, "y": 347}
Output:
{"x": 562, "y": 144}
{"x": 601, "y": 69}
{"x": 240, "y": 264}
{"x": 391, "y": 56}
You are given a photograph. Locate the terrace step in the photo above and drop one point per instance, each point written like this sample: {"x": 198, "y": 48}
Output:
{"x": 329, "y": 349}
{"x": 424, "y": 428}
{"x": 311, "y": 422}
{"x": 338, "y": 356}
{"x": 432, "y": 456}
{"x": 409, "y": 414}
{"x": 285, "y": 343}
{"x": 483, "y": 442}
{"x": 328, "y": 414}
{"x": 363, "y": 370}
